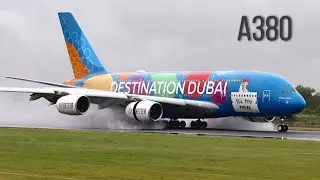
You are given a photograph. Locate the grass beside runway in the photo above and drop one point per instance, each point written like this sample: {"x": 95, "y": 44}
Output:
{"x": 307, "y": 121}
{"x": 60, "y": 154}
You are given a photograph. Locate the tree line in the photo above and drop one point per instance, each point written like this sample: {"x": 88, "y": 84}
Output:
{"x": 312, "y": 98}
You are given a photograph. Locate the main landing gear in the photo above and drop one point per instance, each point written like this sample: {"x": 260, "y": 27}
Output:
{"x": 282, "y": 127}
{"x": 175, "y": 124}
{"x": 198, "y": 124}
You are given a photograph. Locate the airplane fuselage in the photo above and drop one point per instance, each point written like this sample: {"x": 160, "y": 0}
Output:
{"x": 237, "y": 93}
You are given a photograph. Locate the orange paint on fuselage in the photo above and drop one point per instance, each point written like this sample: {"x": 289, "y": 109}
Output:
{"x": 79, "y": 69}
{"x": 71, "y": 82}
{"x": 125, "y": 75}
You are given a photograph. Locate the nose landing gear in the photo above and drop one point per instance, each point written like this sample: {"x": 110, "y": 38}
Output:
{"x": 282, "y": 127}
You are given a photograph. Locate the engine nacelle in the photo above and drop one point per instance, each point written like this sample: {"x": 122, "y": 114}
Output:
{"x": 144, "y": 111}
{"x": 73, "y": 104}
{"x": 269, "y": 118}
{"x": 261, "y": 119}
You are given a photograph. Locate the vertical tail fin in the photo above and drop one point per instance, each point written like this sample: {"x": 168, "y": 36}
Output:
{"x": 83, "y": 59}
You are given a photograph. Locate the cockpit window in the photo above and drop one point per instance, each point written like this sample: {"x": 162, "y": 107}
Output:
{"x": 287, "y": 90}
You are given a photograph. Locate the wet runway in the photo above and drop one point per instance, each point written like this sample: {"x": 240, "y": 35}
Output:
{"x": 294, "y": 135}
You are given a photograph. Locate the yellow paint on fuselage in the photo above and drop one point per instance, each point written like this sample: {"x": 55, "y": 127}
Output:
{"x": 100, "y": 82}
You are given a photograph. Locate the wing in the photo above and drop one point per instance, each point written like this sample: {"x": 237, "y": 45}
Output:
{"x": 39, "y": 82}
{"x": 105, "y": 98}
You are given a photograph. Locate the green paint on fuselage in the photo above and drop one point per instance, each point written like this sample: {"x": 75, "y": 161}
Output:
{"x": 166, "y": 78}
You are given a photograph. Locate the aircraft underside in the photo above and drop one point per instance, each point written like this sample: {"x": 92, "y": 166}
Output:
{"x": 151, "y": 111}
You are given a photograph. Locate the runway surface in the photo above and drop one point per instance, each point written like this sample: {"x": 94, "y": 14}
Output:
{"x": 295, "y": 135}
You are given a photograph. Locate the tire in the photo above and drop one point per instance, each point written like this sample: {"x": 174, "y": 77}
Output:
{"x": 176, "y": 124}
{"x": 203, "y": 125}
{"x": 183, "y": 124}
{"x": 170, "y": 124}
{"x": 193, "y": 125}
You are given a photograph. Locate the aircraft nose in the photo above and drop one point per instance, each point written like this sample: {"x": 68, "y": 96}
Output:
{"x": 300, "y": 103}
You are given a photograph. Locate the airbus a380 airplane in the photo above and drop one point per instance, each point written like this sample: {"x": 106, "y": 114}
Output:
{"x": 151, "y": 96}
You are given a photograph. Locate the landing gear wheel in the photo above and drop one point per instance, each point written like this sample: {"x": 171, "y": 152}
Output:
{"x": 198, "y": 124}
{"x": 193, "y": 124}
{"x": 183, "y": 124}
{"x": 282, "y": 128}
{"x": 203, "y": 125}
{"x": 176, "y": 124}
{"x": 171, "y": 124}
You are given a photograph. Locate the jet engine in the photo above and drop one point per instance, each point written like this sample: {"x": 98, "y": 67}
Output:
{"x": 73, "y": 104}
{"x": 269, "y": 118}
{"x": 144, "y": 111}
{"x": 261, "y": 119}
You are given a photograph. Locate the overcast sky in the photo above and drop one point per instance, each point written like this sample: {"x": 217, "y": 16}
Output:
{"x": 156, "y": 36}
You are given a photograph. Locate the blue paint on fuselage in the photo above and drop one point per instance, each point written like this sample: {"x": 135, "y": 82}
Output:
{"x": 275, "y": 95}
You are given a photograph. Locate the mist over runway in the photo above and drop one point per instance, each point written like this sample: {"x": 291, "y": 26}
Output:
{"x": 39, "y": 115}
{"x": 18, "y": 111}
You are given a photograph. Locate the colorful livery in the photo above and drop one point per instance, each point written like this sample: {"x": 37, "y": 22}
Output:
{"x": 151, "y": 96}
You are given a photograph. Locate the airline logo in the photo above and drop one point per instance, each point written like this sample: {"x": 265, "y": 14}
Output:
{"x": 141, "y": 111}
{"x": 66, "y": 105}
{"x": 138, "y": 111}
